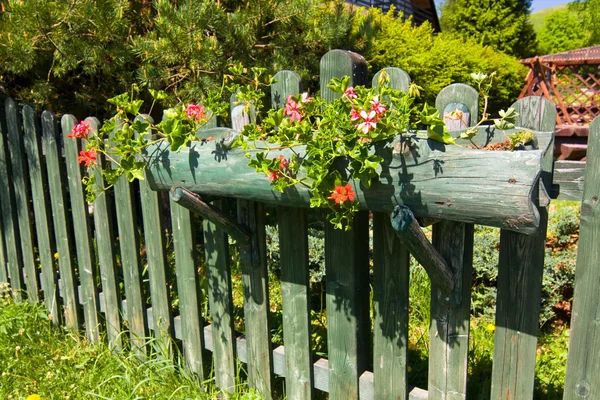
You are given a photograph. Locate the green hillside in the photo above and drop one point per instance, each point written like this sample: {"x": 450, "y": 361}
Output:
{"x": 538, "y": 18}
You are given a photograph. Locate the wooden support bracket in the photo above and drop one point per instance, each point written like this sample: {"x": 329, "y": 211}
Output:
{"x": 194, "y": 203}
{"x": 408, "y": 230}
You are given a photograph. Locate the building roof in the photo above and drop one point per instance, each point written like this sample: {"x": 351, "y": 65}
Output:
{"x": 586, "y": 55}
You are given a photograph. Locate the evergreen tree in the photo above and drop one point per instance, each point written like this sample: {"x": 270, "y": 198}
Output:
{"x": 589, "y": 14}
{"x": 562, "y": 31}
{"x": 501, "y": 24}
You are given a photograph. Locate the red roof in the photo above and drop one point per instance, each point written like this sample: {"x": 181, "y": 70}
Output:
{"x": 586, "y": 55}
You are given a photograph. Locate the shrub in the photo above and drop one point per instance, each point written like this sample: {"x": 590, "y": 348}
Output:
{"x": 435, "y": 61}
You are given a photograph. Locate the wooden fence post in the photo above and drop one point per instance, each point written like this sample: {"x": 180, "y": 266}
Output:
{"x": 449, "y": 327}
{"x": 520, "y": 271}
{"x": 582, "y": 379}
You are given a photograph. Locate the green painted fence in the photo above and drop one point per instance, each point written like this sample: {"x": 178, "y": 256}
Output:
{"x": 121, "y": 262}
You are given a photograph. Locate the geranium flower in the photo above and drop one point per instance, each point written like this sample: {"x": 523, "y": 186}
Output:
{"x": 369, "y": 121}
{"x": 284, "y": 163}
{"x": 341, "y": 194}
{"x": 81, "y": 130}
{"x": 305, "y": 98}
{"x": 377, "y": 106}
{"x": 88, "y": 157}
{"x": 195, "y": 111}
{"x": 273, "y": 176}
{"x": 350, "y": 93}
{"x": 354, "y": 115}
{"x": 292, "y": 110}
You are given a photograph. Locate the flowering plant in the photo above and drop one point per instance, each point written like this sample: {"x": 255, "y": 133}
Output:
{"x": 327, "y": 147}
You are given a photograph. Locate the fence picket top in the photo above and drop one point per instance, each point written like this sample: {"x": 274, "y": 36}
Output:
{"x": 56, "y": 177}
{"x": 340, "y": 63}
{"x": 39, "y": 194}
{"x": 399, "y": 78}
{"x": 459, "y": 93}
{"x": 583, "y": 364}
{"x": 19, "y": 181}
{"x": 104, "y": 231}
{"x": 286, "y": 83}
{"x": 9, "y": 227}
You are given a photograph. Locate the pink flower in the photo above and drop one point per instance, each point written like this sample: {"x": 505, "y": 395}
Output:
{"x": 195, "y": 111}
{"x": 292, "y": 109}
{"x": 350, "y": 93}
{"x": 369, "y": 121}
{"x": 342, "y": 193}
{"x": 377, "y": 106}
{"x": 81, "y": 130}
{"x": 88, "y": 157}
{"x": 305, "y": 98}
{"x": 354, "y": 115}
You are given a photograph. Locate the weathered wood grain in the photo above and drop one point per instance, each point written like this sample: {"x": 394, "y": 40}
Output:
{"x": 58, "y": 198}
{"x": 520, "y": 270}
{"x": 412, "y": 237}
{"x": 568, "y": 180}
{"x": 347, "y": 300}
{"x": 41, "y": 209}
{"x": 188, "y": 288}
{"x": 154, "y": 241}
{"x": 582, "y": 380}
{"x": 459, "y": 93}
{"x": 10, "y": 228}
{"x": 295, "y": 285}
{"x": 339, "y": 63}
{"x": 398, "y": 78}
{"x": 287, "y": 83}
{"x": 449, "y": 327}
{"x": 220, "y": 302}
{"x": 22, "y": 200}
{"x": 433, "y": 180}
{"x": 391, "y": 261}
{"x": 105, "y": 235}
{"x": 86, "y": 262}
{"x": 129, "y": 244}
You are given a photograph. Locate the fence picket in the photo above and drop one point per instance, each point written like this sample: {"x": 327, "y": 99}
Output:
{"x": 104, "y": 230}
{"x": 39, "y": 194}
{"x": 391, "y": 262}
{"x": 56, "y": 178}
{"x": 86, "y": 262}
{"x": 295, "y": 285}
{"x": 130, "y": 260}
{"x": 188, "y": 288}
{"x": 449, "y": 326}
{"x": 520, "y": 270}
{"x": 155, "y": 258}
{"x": 218, "y": 273}
{"x": 19, "y": 181}
{"x": 10, "y": 230}
{"x": 581, "y": 379}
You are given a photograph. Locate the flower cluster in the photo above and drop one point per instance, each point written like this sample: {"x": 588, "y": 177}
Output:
{"x": 293, "y": 107}
{"x": 195, "y": 112}
{"x": 80, "y": 131}
{"x": 340, "y": 194}
{"x": 88, "y": 157}
{"x": 275, "y": 174}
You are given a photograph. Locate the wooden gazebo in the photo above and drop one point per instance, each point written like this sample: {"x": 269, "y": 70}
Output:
{"x": 572, "y": 81}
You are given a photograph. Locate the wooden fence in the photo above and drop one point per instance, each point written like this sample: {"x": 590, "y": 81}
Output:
{"x": 87, "y": 268}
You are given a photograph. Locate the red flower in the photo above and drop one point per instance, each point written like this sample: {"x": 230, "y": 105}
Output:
{"x": 88, "y": 157}
{"x": 350, "y": 93}
{"x": 273, "y": 176}
{"x": 342, "y": 193}
{"x": 292, "y": 110}
{"x": 377, "y": 106}
{"x": 195, "y": 111}
{"x": 81, "y": 130}
{"x": 284, "y": 163}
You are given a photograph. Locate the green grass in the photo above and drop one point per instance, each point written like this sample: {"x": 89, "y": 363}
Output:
{"x": 538, "y": 18}
{"x": 39, "y": 359}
